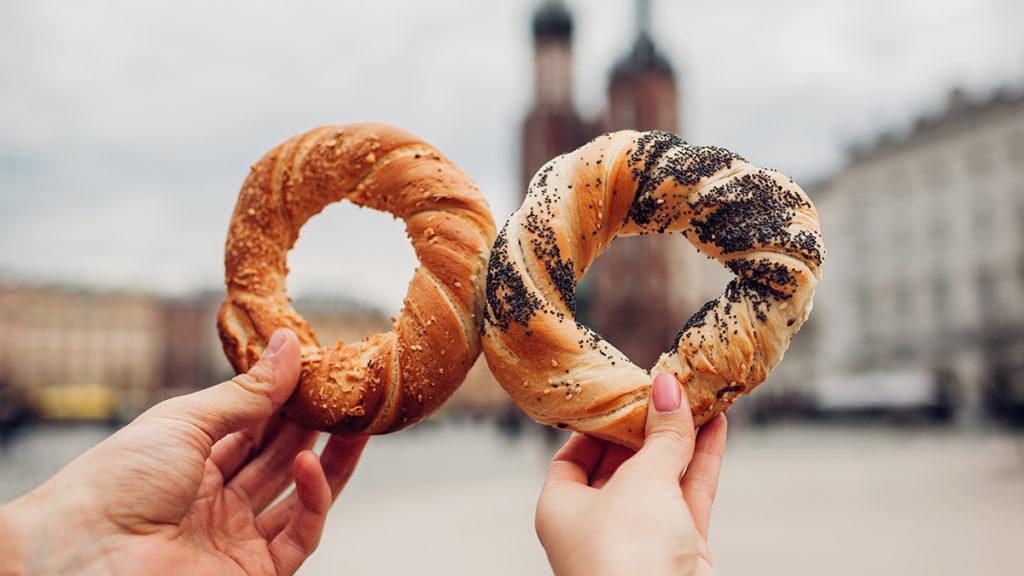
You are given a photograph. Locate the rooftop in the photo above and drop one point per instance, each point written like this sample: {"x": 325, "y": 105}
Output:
{"x": 643, "y": 57}
{"x": 552, "y": 20}
{"x": 961, "y": 110}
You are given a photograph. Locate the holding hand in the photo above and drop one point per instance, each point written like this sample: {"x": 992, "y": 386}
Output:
{"x": 185, "y": 488}
{"x": 606, "y": 510}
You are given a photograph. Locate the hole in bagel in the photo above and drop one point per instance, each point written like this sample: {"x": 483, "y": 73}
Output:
{"x": 349, "y": 271}
{"x": 642, "y": 289}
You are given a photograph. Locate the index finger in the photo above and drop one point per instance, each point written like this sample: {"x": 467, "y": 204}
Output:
{"x": 700, "y": 481}
{"x": 575, "y": 461}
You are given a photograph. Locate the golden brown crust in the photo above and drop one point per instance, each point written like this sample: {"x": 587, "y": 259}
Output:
{"x": 756, "y": 222}
{"x": 386, "y": 381}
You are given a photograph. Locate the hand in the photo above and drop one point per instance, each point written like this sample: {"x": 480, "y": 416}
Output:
{"x": 607, "y": 510}
{"x": 185, "y": 488}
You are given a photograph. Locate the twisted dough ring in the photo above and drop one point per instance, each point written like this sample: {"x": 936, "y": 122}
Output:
{"x": 387, "y": 381}
{"x": 757, "y": 222}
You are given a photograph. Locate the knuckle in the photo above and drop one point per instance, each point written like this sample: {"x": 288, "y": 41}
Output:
{"x": 540, "y": 517}
{"x": 703, "y": 488}
{"x": 252, "y": 381}
{"x": 674, "y": 435}
{"x": 548, "y": 517}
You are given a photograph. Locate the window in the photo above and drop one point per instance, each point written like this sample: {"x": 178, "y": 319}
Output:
{"x": 983, "y": 214}
{"x": 939, "y": 231}
{"x": 979, "y": 161}
{"x": 1015, "y": 149}
{"x": 941, "y": 297}
{"x": 935, "y": 174}
{"x": 1020, "y": 279}
{"x": 863, "y": 303}
{"x": 988, "y": 295}
{"x": 903, "y": 299}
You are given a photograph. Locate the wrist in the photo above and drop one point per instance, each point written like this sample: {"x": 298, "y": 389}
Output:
{"x": 13, "y": 540}
{"x": 597, "y": 556}
{"x": 40, "y": 533}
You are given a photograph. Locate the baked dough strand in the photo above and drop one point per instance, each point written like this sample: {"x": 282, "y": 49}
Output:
{"x": 386, "y": 381}
{"x": 756, "y": 222}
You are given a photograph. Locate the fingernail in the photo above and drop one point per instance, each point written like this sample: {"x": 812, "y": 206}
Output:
{"x": 666, "y": 393}
{"x": 274, "y": 346}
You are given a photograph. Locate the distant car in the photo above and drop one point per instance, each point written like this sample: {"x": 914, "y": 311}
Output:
{"x": 882, "y": 392}
{"x": 79, "y": 401}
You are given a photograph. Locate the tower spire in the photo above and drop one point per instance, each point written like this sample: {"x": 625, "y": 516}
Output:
{"x": 643, "y": 17}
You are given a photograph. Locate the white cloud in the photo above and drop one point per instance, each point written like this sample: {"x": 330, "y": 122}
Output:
{"x": 127, "y": 127}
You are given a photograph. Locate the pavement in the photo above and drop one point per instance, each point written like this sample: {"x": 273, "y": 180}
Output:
{"x": 458, "y": 498}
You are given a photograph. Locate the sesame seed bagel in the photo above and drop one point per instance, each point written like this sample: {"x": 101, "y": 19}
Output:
{"x": 387, "y": 381}
{"x": 756, "y": 222}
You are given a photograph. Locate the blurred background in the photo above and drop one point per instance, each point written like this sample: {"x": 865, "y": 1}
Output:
{"x": 888, "y": 440}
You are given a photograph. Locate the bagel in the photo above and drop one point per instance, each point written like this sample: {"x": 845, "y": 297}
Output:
{"x": 756, "y": 222}
{"x": 387, "y": 381}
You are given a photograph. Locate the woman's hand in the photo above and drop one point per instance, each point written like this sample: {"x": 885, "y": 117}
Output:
{"x": 185, "y": 488}
{"x": 606, "y": 510}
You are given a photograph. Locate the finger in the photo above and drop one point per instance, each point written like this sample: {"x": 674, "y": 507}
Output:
{"x": 300, "y": 537}
{"x": 700, "y": 482}
{"x": 613, "y": 457}
{"x": 575, "y": 461}
{"x": 234, "y": 450}
{"x": 268, "y": 473}
{"x": 341, "y": 455}
{"x": 339, "y": 461}
{"x": 668, "y": 445}
{"x": 242, "y": 401}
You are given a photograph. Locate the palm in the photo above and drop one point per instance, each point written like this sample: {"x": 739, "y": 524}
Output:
{"x": 643, "y": 515}
{"x": 188, "y": 486}
{"x": 183, "y": 509}
{"x": 217, "y": 535}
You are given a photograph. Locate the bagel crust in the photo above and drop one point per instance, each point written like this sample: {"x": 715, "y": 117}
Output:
{"x": 756, "y": 222}
{"x": 387, "y": 381}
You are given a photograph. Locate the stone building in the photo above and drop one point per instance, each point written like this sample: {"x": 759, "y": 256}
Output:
{"x": 925, "y": 278}
{"x": 192, "y": 355}
{"x": 57, "y": 338}
{"x": 640, "y": 290}
{"x": 80, "y": 353}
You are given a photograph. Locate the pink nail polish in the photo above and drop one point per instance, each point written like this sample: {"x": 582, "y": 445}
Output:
{"x": 666, "y": 393}
{"x": 274, "y": 346}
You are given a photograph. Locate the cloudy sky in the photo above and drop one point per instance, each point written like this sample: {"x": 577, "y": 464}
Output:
{"x": 126, "y": 127}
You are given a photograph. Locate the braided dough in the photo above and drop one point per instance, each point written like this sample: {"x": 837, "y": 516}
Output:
{"x": 387, "y": 381}
{"x": 756, "y": 222}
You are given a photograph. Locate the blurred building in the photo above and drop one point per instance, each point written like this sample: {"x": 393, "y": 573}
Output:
{"x": 552, "y": 126}
{"x": 192, "y": 357}
{"x": 640, "y": 290}
{"x": 97, "y": 350}
{"x": 925, "y": 278}
{"x": 89, "y": 354}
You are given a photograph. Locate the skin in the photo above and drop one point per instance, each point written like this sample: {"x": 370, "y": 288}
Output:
{"x": 605, "y": 510}
{"x": 186, "y": 488}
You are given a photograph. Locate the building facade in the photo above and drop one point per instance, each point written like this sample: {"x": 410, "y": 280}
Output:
{"x": 925, "y": 231}
{"x": 60, "y": 339}
{"x": 65, "y": 350}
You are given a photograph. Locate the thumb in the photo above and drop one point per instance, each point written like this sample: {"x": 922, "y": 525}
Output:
{"x": 244, "y": 400}
{"x": 669, "y": 441}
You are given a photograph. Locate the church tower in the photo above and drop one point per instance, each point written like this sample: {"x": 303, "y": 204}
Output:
{"x": 638, "y": 287}
{"x": 640, "y": 290}
{"x": 552, "y": 126}
{"x": 642, "y": 91}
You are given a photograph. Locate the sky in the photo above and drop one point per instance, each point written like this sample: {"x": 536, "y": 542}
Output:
{"x": 126, "y": 128}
